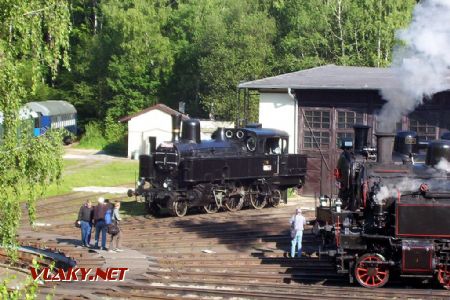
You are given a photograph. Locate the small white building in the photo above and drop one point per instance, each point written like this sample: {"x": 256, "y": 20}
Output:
{"x": 154, "y": 121}
{"x": 154, "y": 125}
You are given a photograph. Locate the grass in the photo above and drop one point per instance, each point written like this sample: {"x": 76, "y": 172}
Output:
{"x": 97, "y": 173}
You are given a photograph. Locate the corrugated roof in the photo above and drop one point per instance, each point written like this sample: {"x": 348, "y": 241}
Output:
{"x": 52, "y": 107}
{"x": 158, "y": 106}
{"x": 330, "y": 77}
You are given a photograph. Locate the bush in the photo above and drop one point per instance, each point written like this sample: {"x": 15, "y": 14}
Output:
{"x": 292, "y": 192}
{"x": 93, "y": 137}
{"x": 108, "y": 137}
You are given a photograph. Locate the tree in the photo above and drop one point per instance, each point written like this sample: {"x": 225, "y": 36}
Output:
{"x": 343, "y": 32}
{"x": 217, "y": 45}
{"x": 141, "y": 57}
{"x": 34, "y": 38}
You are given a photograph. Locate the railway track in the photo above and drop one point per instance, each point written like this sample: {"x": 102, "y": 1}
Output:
{"x": 226, "y": 255}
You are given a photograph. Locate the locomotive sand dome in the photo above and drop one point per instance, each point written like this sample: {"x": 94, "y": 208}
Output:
{"x": 394, "y": 213}
{"x": 237, "y": 167}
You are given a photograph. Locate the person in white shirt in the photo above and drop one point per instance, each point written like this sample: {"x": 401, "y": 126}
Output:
{"x": 297, "y": 223}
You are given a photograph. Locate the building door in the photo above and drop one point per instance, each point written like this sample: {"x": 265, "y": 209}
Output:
{"x": 320, "y": 132}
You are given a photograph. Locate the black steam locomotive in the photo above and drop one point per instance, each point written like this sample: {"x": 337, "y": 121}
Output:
{"x": 237, "y": 167}
{"x": 392, "y": 213}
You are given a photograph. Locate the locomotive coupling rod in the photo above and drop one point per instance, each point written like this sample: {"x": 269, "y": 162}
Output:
{"x": 388, "y": 263}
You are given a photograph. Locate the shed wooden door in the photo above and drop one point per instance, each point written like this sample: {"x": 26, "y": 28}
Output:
{"x": 320, "y": 131}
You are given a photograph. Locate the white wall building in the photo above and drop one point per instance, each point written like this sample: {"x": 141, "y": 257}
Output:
{"x": 279, "y": 111}
{"x": 156, "y": 121}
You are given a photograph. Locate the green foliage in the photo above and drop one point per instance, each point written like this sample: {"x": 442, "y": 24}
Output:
{"x": 344, "y": 32}
{"x": 292, "y": 192}
{"x": 34, "y": 37}
{"x": 93, "y": 137}
{"x": 108, "y": 136}
{"x": 128, "y": 55}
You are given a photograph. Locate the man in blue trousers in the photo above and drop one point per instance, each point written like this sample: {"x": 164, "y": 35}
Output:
{"x": 85, "y": 221}
{"x": 99, "y": 221}
{"x": 297, "y": 223}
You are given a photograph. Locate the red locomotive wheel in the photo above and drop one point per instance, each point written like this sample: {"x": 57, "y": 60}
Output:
{"x": 368, "y": 273}
{"x": 444, "y": 277}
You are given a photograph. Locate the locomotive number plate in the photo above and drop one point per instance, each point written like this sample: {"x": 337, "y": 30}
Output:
{"x": 410, "y": 141}
{"x": 267, "y": 167}
{"x": 166, "y": 145}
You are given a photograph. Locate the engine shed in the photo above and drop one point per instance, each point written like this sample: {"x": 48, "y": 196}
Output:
{"x": 318, "y": 107}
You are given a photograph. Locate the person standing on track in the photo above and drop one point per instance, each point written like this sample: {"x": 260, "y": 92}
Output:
{"x": 297, "y": 223}
{"x": 85, "y": 216}
{"x": 115, "y": 238}
{"x": 99, "y": 221}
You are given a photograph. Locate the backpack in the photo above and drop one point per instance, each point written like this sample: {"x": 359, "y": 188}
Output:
{"x": 108, "y": 216}
{"x": 113, "y": 228}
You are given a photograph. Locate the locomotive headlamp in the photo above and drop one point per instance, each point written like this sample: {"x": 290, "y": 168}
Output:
{"x": 167, "y": 184}
{"x": 323, "y": 201}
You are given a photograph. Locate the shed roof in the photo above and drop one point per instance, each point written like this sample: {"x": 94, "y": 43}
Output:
{"x": 52, "y": 107}
{"x": 159, "y": 106}
{"x": 331, "y": 77}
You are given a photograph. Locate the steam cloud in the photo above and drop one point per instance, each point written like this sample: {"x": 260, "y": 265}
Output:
{"x": 436, "y": 179}
{"x": 422, "y": 65}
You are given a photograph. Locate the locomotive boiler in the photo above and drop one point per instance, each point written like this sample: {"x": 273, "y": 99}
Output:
{"x": 237, "y": 167}
{"x": 391, "y": 216}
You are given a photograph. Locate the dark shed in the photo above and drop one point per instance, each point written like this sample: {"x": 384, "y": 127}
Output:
{"x": 329, "y": 100}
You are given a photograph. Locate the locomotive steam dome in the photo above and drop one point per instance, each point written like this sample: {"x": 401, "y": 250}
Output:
{"x": 191, "y": 131}
{"x": 436, "y": 151}
{"x": 406, "y": 142}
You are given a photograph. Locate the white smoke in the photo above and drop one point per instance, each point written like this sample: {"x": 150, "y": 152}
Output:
{"x": 435, "y": 178}
{"x": 422, "y": 65}
{"x": 443, "y": 165}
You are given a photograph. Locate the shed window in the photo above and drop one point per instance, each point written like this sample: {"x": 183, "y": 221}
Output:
{"x": 341, "y": 135}
{"x": 346, "y": 119}
{"x": 423, "y": 129}
{"x": 317, "y": 119}
{"x": 316, "y": 138}
{"x": 317, "y": 126}
{"x": 344, "y": 124}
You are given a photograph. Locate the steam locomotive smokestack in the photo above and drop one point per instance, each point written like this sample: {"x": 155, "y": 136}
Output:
{"x": 176, "y": 122}
{"x": 361, "y": 133}
{"x": 385, "y": 145}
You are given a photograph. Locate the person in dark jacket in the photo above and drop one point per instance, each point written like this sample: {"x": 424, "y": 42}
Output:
{"x": 99, "y": 221}
{"x": 85, "y": 221}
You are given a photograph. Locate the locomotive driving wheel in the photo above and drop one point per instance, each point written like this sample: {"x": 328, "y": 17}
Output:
{"x": 234, "y": 203}
{"x": 258, "y": 196}
{"x": 211, "y": 208}
{"x": 444, "y": 276}
{"x": 276, "y": 198}
{"x": 369, "y": 272}
{"x": 208, "y": 194}
{"x": 177, "y": 207}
